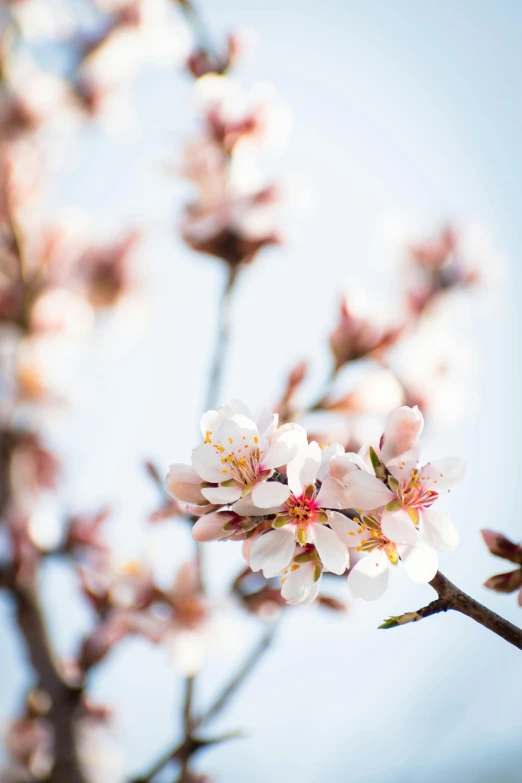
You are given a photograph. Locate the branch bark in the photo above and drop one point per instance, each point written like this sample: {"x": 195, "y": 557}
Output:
{"x": 65, "y": 699}
{"x": 452, "y": 598}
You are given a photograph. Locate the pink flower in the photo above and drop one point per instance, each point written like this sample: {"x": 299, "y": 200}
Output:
{"x": 302, "y": 519}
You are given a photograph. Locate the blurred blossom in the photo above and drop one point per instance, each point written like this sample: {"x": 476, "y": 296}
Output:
{"x": 379, "y": 392}
{"x": 60, "y": 310}
{"x": 29, "y": 742}
{"x": 143, "y": 33}
{"x": 437, "y": 371}
{"x": 100, "y": 751}
{"x": 235, "y": 214}
{"x": 106, "y": 272}
{"x": 232, "y": 116}
{"x": 43, "y": 19}
{"x": 501, "y": 546}
{"x": 357, "y": 333}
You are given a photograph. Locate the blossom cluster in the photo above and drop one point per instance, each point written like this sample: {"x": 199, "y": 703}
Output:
{"x": 302, "y": 509}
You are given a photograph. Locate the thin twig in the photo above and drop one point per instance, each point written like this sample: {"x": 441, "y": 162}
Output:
{"x": 223, "y": 335}
{"x": 451, "y": 597}
{"x": 190, "y": 744}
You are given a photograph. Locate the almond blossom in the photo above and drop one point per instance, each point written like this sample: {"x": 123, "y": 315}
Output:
{"x": 369, "y": 577}
{"x": 404, "y": 491}
{"x": 236, "y": 458}
{"x": 302, "y": 519}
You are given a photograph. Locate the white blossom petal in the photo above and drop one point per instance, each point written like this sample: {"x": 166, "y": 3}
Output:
{"x": 333, "y": 553}
{"x": 302, "y": 470}
{"x": 365, "y": 491}
{"x": 327, "y": 453}
{"x": 442, "y": 474}
{"x": 208, "y": 422}
{"x": 222, "y": 495}
{"x": 399, "y": 528}
{"x": 273, "y": 551}
{"x": 368, "y": 579}
{"x": 299, "y": 586}
{"x": 438, "y": 531}
{"x": 269, "y": 494}
{"x": 285, "y": 444}
{"x": 231, "y": 431}
{"x": 420, "y": 562}
{"x": 346, "y": 529}
{"x": 207, "y": 464}
{"x": 332, "y": 494}
{"x": 246, "y": 507}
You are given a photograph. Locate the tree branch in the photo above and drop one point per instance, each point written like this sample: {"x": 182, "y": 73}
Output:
{"x": 65, "y": 700}
{"x": 190, "y": 745}
{"x": 451, "y": 597}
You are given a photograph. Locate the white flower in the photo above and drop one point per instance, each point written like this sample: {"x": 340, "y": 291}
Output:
{"x": 368, "y": 578}
{"x": 238, "y": 455}
{"x": 302, "y": 520}
{"x": 406, "y": 492}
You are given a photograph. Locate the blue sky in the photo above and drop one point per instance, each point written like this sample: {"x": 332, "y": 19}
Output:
{"x": 403, "y": 111}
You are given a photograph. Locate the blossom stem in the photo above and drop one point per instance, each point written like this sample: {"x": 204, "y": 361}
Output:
{"x": 451, "y": 597}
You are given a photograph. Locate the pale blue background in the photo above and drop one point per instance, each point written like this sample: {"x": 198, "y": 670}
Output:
{"x": 401, "y": 109}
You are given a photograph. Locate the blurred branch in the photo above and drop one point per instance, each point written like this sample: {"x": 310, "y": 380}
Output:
{"x": 451, "y": 597}
{"x": 190, "y": 744}
{"x": 65, "y": 699}
{"x": 223, "y": 336}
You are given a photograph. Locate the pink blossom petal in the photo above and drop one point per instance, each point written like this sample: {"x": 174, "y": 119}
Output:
{"x": 210, "y": 527}
{"x": 401, "y": 433}
{"x": 327, "y": 454}
{"x": 183, "y": 483}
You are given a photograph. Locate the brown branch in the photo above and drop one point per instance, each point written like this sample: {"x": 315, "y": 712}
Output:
{"x": 190, "y": 745}
{"x": 65, "y": 699}
{"x": 451, "y": 597}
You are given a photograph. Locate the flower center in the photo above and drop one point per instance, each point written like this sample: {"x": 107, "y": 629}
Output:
{"x": 303, "y": 509}
{"x": 411, "y": 492}
{"x": 241, "y": 461}
{"x": 374, "y": 538}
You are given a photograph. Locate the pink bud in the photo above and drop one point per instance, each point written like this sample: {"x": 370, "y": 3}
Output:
{"x": 183, "y": 483}
{"x": 501, "y": 546}
{"x": 401, "y": 433}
